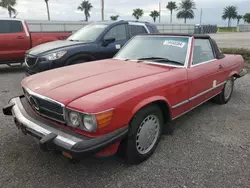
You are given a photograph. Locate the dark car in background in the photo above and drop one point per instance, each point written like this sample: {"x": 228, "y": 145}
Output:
{"x": 100, "y": 40}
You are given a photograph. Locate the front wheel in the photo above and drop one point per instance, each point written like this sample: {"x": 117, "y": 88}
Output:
{"x": 144, "y": 134}
{"x": 226, "y": 93}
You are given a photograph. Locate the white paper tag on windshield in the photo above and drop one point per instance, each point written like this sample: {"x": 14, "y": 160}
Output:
{"x": 174, "y": 43}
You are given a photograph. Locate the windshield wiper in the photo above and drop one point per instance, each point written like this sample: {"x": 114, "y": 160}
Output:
{"x": 162, "y": 59}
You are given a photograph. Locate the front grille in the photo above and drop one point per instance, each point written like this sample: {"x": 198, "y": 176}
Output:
{"x": 30, "y": 60}
{"x": 45, "y": 107}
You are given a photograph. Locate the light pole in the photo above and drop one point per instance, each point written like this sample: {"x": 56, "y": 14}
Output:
{"x": 159, "y": 12}
{"x": 201, "y": 16}
{"x": 102, "y": 9}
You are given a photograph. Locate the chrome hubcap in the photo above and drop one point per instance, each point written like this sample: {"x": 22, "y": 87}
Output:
{"x": 147, "y": 134}
{"x": 228, "y": 89}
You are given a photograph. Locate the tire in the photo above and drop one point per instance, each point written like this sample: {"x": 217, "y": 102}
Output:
{"x": 226, "y": 92}
{"x": 146, "y": 122}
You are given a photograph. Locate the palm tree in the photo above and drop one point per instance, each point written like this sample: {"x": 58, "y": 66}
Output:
{"x": 114, "y": 18}
{"x": 239, "y": 17}
{"x": 9, "y": 5}
{"x": 85, "y": 6}
{"x": 137, "y": 13}
{"x": 171, "y": 6}
{"x": 186, "y": 10}
{"x": 47, "y": 5}
{"x": 246, "y": 18}
{"x": 154, "y": 14}
{"x": 229, "y": 12}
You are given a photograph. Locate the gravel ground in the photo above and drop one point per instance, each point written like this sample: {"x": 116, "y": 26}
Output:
{"x": 210, "y": 148}
{"x": 232, "y": 40}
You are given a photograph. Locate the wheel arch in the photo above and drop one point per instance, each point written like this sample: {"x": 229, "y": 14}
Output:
{"x": 84, "y": 56}
{"x": 160, "y": 101}
{"x": 233, "y": 74}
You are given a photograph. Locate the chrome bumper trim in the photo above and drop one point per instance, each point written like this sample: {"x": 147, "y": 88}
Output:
{"x": 63, "y": 139}
{"x": 242, "y": 73}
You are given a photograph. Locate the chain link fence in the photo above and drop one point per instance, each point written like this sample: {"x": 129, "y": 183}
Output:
{"x": 205, "y": 29}
{"x": 244, "y": 28}
{"x": 73, "y": 26}
{"x": 176, "y": 28}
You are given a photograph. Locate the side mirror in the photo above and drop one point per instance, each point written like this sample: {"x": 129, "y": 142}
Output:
{"x": 107, "y": 41}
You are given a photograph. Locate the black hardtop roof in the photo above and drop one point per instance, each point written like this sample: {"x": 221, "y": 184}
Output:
{"x": 202, "y": 36}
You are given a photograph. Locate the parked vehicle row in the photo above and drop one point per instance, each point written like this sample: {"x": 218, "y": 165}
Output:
{"x": 95, "y": 41}
{"x": 123, "y": 104}
{"x": 16, "y": 39}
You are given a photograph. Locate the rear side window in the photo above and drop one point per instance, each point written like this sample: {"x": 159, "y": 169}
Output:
{"x": 118, "y": 32}
{"x": 10, "y": 26}
{"x": 136, "y": 29}
{"x": 202, "y": 51}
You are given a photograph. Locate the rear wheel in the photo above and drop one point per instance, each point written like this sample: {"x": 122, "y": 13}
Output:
{"x": 226, "y": 93}
{"x": 144, "y": 134}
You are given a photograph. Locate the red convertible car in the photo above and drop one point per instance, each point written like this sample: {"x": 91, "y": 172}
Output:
{"x": 124, "y": 104}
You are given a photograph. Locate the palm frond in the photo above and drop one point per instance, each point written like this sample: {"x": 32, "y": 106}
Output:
{"x": 186, "y": 9}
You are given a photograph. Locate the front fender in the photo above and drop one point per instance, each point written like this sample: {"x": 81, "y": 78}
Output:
{"x": 149, "y": 101}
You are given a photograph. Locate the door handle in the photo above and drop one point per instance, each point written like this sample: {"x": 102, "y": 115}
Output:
{"x": 20, "y": 37}
{"x": 220, "y": 67}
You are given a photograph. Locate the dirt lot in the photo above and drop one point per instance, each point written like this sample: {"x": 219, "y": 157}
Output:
{"x": 210, "y": 148}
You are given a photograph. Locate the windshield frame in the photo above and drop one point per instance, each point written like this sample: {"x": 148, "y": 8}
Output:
{"x": 158, "y": 63}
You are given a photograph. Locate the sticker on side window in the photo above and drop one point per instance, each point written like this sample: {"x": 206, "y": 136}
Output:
{"x": 174, "y": 43}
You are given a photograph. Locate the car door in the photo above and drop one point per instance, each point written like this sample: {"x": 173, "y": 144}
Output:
{"x": 204, "y": 74}
{"x": 120, "y": 34}
{"x": 14, "y": 40}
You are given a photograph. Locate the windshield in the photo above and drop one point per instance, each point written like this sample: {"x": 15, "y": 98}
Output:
{"x": 88, "y": 33}
{"x": 168, "y": 50}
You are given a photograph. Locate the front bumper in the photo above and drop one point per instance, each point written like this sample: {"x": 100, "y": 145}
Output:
{"x": 242, "y": 73}
{"x": 52, "y": 137}
{"x": 40, "y": 66}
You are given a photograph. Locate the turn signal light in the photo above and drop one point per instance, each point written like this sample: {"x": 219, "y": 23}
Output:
{"x": 104, "y": 119}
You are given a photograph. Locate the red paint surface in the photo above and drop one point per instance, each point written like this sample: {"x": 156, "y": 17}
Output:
{"x": 127, "y": 86}
{"x": 111, "y": 150}
{"x": 14, "y": 45}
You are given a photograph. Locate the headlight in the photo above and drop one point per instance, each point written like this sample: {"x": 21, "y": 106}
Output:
{"x": 55, "y": 56}
{"x": 74, "y": 119}
{"x": 89, "y": 123}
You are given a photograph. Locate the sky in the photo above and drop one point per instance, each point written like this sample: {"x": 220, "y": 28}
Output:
{"x": 67, "y": 10}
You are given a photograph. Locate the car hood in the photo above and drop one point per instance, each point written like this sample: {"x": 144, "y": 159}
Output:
{"x": 54, "y": 46}
{"x": 70, "y": 83}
